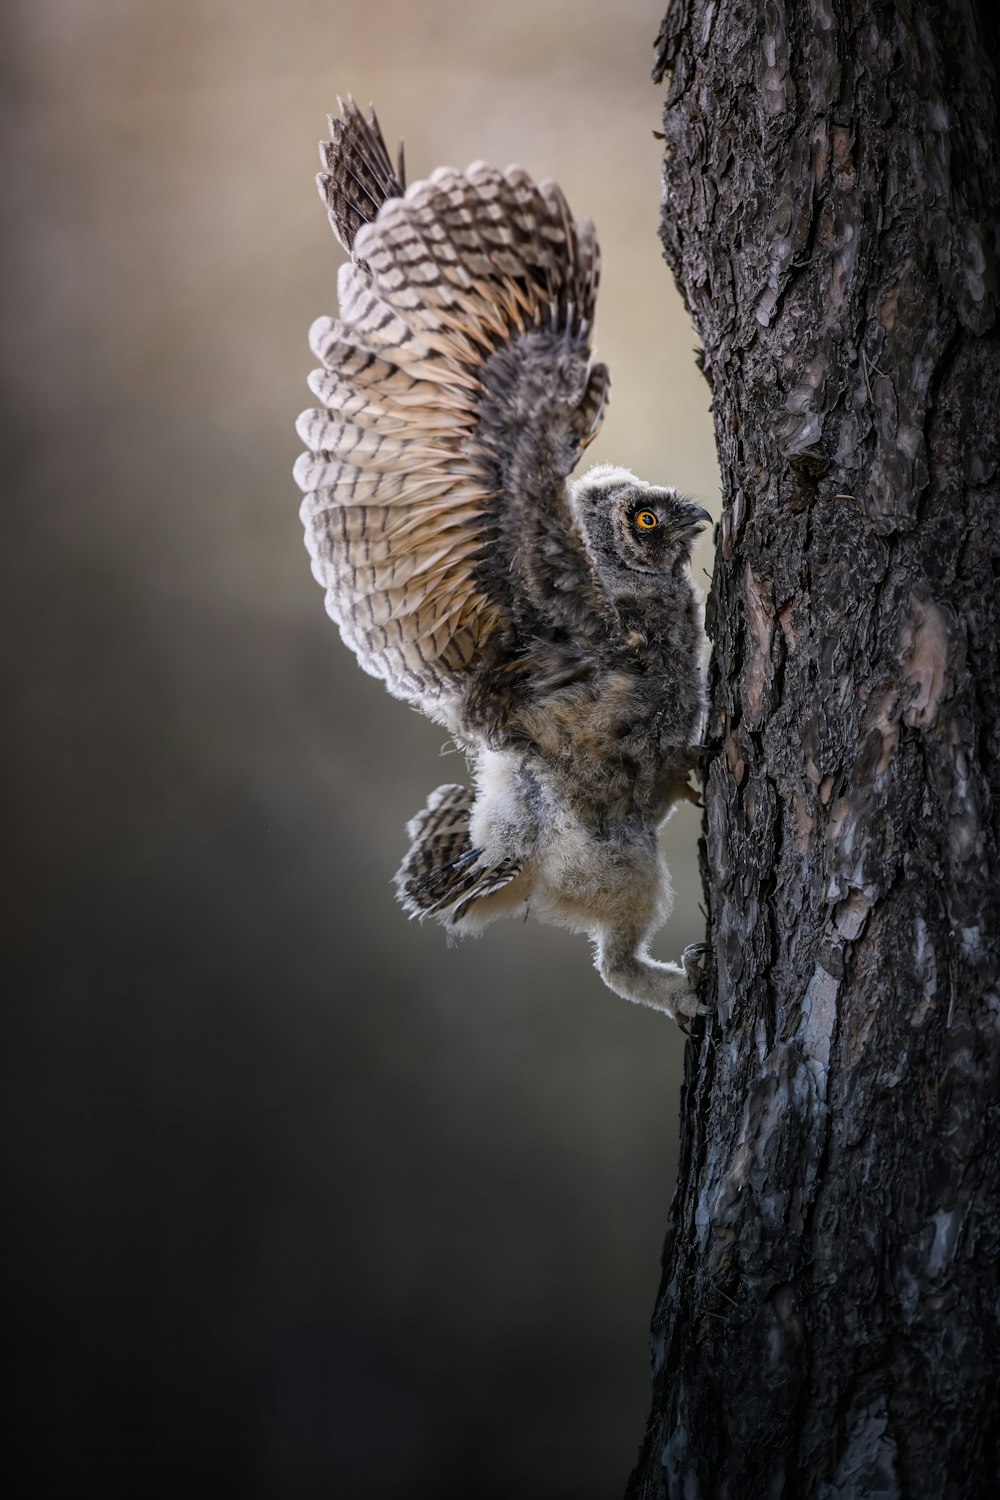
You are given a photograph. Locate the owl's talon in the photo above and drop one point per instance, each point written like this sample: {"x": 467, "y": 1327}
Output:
{"x": 694, "y": 971}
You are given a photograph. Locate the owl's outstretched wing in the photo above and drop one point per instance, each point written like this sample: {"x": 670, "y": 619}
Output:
{"x": 457, "y": 391}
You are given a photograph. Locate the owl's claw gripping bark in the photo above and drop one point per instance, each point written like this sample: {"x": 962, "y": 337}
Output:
{"x": 671, "y": 988}
{"x": 692, "y": 962}
{"x": 698, "y": 757}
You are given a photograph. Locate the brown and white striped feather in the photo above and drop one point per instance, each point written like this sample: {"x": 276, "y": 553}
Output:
{"x": 360, "y": 176}
{"x": 397, "y": 484}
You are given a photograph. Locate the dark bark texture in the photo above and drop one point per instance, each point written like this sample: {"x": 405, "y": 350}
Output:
{"x": 828, "y": 1323}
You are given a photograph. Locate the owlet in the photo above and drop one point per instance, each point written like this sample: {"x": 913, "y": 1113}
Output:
{"x": 551, "y": 625}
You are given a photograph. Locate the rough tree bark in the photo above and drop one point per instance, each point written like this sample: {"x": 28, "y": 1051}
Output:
{"x": 828, "y": 1323}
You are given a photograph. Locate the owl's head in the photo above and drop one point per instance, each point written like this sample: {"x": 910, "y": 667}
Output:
{"x": 629, "y": 524}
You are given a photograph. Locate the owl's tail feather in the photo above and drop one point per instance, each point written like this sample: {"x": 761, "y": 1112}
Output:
{"x": 359, "y": 175}
{"x": 442, "y": 875}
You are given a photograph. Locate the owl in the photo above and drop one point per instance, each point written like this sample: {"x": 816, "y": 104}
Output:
{"x": 549, "y": 624}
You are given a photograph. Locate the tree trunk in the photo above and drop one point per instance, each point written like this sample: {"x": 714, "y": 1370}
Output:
{"x": 829, "y": 1319}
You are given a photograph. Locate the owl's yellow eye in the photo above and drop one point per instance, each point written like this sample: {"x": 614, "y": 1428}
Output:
{"x": 646, "y": 521}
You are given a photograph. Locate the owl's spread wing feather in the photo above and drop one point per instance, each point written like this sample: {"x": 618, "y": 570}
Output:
{"x": 359, "y": 176}
{"x": 456, "y": 393}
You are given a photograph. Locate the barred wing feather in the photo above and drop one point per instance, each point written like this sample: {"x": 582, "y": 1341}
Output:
{"x": 413, "y": 502}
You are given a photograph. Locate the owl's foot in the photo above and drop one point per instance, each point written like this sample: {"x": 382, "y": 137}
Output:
{"x": 672, "y": 988}
{"x": 692, "y": 960}
{"x": 698, "y": 757}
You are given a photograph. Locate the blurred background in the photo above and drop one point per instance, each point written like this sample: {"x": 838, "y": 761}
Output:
{"x": 299, "y": 1201}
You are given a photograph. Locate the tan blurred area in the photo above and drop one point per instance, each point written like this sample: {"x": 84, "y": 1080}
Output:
{"x": 295, "y": 1176}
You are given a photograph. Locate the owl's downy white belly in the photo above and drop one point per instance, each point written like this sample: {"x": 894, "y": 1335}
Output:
{"x": 591, "y": 876}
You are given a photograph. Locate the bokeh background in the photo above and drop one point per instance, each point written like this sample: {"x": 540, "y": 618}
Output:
{"x": 300, "y": 1203}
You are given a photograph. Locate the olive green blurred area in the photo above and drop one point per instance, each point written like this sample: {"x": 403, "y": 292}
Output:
{"x": 302, "y": 1202}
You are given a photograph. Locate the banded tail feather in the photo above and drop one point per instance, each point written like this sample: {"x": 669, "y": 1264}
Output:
{"x": 441, "y": 875}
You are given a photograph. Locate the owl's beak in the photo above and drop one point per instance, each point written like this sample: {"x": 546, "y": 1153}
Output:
{"x": 694, "y": 521}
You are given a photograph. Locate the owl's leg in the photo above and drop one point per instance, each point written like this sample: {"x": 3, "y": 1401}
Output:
{"x": 626, "y": 968}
